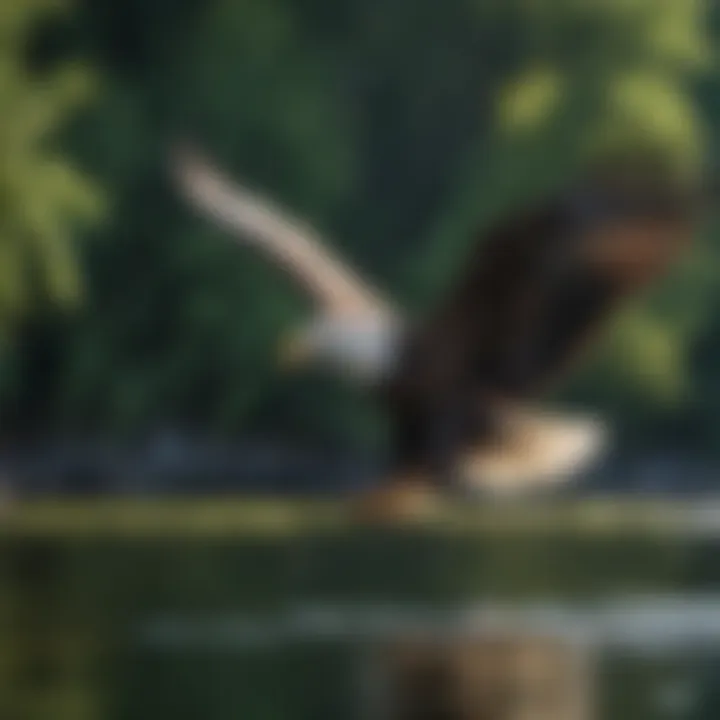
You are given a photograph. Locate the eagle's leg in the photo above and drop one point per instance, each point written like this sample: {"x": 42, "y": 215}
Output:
{"x": 408, "y": 487}
{"x": 424, "y": 456}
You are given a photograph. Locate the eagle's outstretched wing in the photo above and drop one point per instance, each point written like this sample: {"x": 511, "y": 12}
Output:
{"x": 259, "y": 222}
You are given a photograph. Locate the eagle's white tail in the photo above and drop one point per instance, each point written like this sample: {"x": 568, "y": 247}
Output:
{"x": 535, "y": 449}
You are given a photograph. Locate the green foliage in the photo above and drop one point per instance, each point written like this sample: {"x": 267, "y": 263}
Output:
{"x": 43, "y": 197}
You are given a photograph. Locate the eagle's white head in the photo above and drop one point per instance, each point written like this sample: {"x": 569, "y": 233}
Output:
{"x": 364, "y": 350}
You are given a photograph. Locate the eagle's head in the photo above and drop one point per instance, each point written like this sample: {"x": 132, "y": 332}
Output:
{"x": 364, "y": 349}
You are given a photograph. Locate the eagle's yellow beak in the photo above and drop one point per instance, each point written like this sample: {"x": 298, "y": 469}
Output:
{"x": 294, "y": 351}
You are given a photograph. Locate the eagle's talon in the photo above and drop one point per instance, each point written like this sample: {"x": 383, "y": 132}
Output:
{"x": 398, "y": 498}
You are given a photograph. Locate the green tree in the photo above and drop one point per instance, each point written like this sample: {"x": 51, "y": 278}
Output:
{"x": 44, "y": 197}
{"x": 45, "y": 200}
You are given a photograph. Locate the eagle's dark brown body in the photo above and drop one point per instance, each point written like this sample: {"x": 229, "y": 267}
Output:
{"x": 539, "y": 288}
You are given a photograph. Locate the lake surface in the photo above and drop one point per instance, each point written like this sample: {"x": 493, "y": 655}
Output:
{"x": 234, "y": 610}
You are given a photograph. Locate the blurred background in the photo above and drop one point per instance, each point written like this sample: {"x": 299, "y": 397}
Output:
{"x": 137, "y": 345}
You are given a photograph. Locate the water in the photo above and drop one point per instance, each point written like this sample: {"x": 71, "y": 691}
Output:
{"x": 195, "y": 611}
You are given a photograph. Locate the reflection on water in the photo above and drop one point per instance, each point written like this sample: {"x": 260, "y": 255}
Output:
{"x": 639, "y": 625}
{"x": 632, "y": 657}
{"x": 297, "y": 621}
{"x": 311, "y": 681}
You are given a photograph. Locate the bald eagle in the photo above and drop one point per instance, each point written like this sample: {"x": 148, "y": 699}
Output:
{"x": 460, "y": 385}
